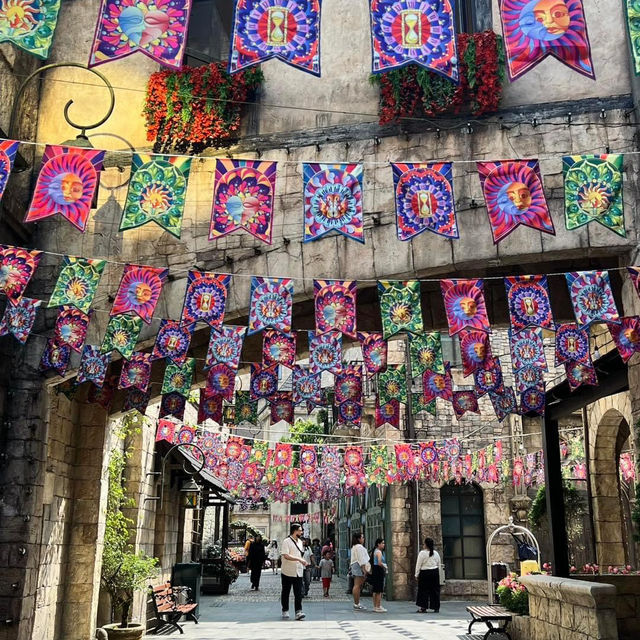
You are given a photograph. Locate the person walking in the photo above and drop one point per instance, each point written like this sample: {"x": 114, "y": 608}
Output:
{"x": 273, "y": 555}
{"x": 378, "y": 571}
{"x": 428, "y": 575}
{"x": 308, "y": 570}
{"x": 255, "y": 560}
{"x": 359, "y": 567}
{"x": 326, "y": 572}
{"x": 293, "y": 565}
{"x": 328, "y": 546}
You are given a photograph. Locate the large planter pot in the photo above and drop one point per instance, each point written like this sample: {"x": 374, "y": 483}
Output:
{"x": 132, "y": 632}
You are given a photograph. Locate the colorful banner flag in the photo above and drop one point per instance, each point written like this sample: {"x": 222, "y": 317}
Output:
{"x": 221, "y": 381}
{"x": 139, "y": 291}
{"x": 465, "y": 305}
{"x": 504, "y": 403}
{"x": 626, "y": 335}
{"x": 535, "y": 29}
{"x": 288, "y": 30}
{"x": 205, "y": 298}
{"x": 166, "y": 431}
{"x": 29, "y": 24}
{"x": 281, "y": 407}
{"x": 17, "y": 266}
{"x": 172, "y": 404}
{"x": 225, "y": 347}
{"x": 527, "y": 378}
{"x": 633, "y": 26}
{"x": 332, "y": 200}
{"x": 56, "y": 357}
{"x": 413, "y": 32}
{"x": 335, "y": 306}
{"x": 307, "y": 386}
{"x": 158, "y": 29}
{"x": 392, "y": 384}
{"x": 572, "y": 344}
{"x": 634, "y": 275}
{"x": 465, "y": 402}
{"x": 209, "y": 407}
{"x": 348, "y": 385}
{"x": 579, "y": 374}
{"x": 514, "y": 196}
{"x": 475, "y": 350}
{"x": 529, "y": 304}
{"x": 426, "y": 353}
{"x": 527, "y": 349}
{"x": 77, "y": 282}
{"x": 438, "y": 385}
{"x": 243, "y": 198}
{"x": 66, "y": 184}
{"x": 264, "y": 381}
{"x": 424, "y": 199}
{"x": 400, "y": 307}
{"x": 246, "y": 408}
{"x": 71, "y": 327}
{"x": 93, "y": 365}
{"x": 8, "y": 148}
{"x": 591, "y": 297}
{"x": 593, "y": 191}
{"x": 172, "y": 342}
{"x": 488, "y": 379}
{"x": 18, "y": 318}
{"x": 374, "y": 351}
{"x": 278, "y": 348}
{"x": 103, "y": 395}
{"x": 270, "y": 305}
{"x": 419, "y": 404}
{"x": 325, "y": 352}
{"x": 122, "y": 335}
{"x": 136, "y": 372}
{"x": 532, "y": 401}
{"x": 388, "y": 413}
{"x": 136, "y": 400}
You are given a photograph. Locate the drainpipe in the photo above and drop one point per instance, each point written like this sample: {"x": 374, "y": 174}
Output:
{"x": 585, "y": 429}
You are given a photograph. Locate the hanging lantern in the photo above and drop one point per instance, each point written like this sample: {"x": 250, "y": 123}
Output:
{"x": 191, "y": 494}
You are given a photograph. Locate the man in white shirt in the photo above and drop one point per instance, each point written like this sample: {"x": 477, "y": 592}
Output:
{"x": 293, "y": 564}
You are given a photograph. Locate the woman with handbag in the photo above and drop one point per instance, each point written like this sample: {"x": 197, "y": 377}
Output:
{"x": 360, "y": 567}
{"x": 428, "y": 576}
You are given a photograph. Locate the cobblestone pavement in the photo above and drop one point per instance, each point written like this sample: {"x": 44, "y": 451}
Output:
{"x": 250, "y": 615}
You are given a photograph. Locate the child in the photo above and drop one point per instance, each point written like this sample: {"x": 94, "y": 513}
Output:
{"x": 326, "y": 572}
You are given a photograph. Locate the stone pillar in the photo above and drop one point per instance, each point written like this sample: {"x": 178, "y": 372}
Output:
{"x": 403, "y": 541}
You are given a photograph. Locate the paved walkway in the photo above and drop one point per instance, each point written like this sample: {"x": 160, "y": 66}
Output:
{"x": 250, "y": 615}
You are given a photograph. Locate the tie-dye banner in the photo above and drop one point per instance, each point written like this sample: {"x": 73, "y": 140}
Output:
{"x": 378, "y": 464}
{"x": 209, "y": 407}
{"x": 243, "y": 198}
{"x": 392, "y": 384}
{"x": 579, "y": 374}
{"x": 122, "y": 335}
{"x": 221, "y": 381}
{"x": 465, "y": 305}
{"x": 374, "y": 351}
{"x": 424, "y": 200}
{"x": 514, "y": 196}
{"x": 528, "y": 377}
{"x": 8, "y": 148}
{"x": 488, "y": 379}
{"x": 438, "y": 385}
{"x": 270, "y": 305}
{"x": 464, "y": 402}
{"x": 103, "y": 395}
{"x": 225, "y": 347}
{"x": 166, "y": 431}
{"x": 17, "y": 266}
{"x": 591, "y": 297}
{"x": 178, "y": 379}
{"x": 626, "y": 335}
{"x": 77, "y": 283}
{"x": 335, "y": 306}
{"x": 246, "y": 408}
{"x": 388, "y": 413}
{"x": 136, "y": 372}
{"x": 527, "y": 349}
{"x": 56, "y": 357}
{"x": 205, "y": 298}
{"x": 593, "y": 191}
{"x": 420, "y": 404}
{"x": 307, "y": 386}
{"x": 278, "y": 348}
{"x": 66, "y": 184}
{"x": 633, "y": 26}
{"x": 156, "y": 28}
{"x": 282, "y": 408}
{"x": 475, "y": 350}
{"x": 157, "y": 192}
{"x": 426, "y": 353}
{"x": 504, "y": 403}
{"x": 18, "y": 318}
{"x": 529, "y": 304}
{"x": 288, "y": 30}
{"x": 139, "y": 291}
{"x": 29, "y": 24}
{"x": 172, "y": 404}
{"x": 535, "y": 29}
{"x": 332, "y": 200}
{"x": 325, "y": 352}
{"x": 136, "y": 400}
{"x": 348, "y": 385}
{"x": 93, "y": 365}
{"x": 572, "y": 344}
{"x": 172, "y": 342}
{"x": 414, "y": 32}
{"x": 400, "y": 307}
{"x": 71, "y": 327}
{"x": 532, "y": 401}
{"x": 264, "y": 381}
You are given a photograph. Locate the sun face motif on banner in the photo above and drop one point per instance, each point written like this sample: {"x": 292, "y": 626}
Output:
{"x": 136, "y": 372}
{"x": 56, "y": 357}
{"x": 278, "y": 348}
{"x": 243, "y": 198}
{"x": 414, "y": 32}
{"x": 307, "y": 386}
{"x": 66, "y": 184}
{"x": 591, "y": 297}
{"x": 172, "y": 404}
{"x": 593, "y": 191}
{"x": 392, "y": 384}
{"x": 178, "y": 379}
{"x": 424, "y": 200}
{"x": 504, "y": 403}
{"x": 270, "y": 305}
{"x": 465, "y": 306}
{"x": 77, "y": 283}
{"x": 488, "y": 378}
{"x": 225, "y": 347}
{"x": 572, "y": 344}
{"x": 209, "y": 407}
{"x": 400, "y": 307}
{"x": 348, "y": 385}
{"x": 332, "y": 200}
{"x": 246, "y": 408}
{"x": 527, "y": 349}
{"x": 156, "y": 28}
{"x": 514, "y": 196}
{"x": 264, "y": 381}
{"x": 93, "y": 365}
{"x": 438, "y": 385}
{"x": 475, "y": 349}
{"x": 426, "y": 353}
{"x": 8, "y": 148}
{"x": 139, "y": 291}
{"x": 221, "y": 380}
{"x": 136, "y": 400}
{"x": 18, "y": 318}
{"x": 16, "y": 268}
{"x": 374, "y": 351}
{"x": 388, "y": 413}
{"x": 626, "y": 335}
{"x": 325, "y": 352}
{"x": 335, "y": 306}
{"x": 420, "y": 404}
{"x": 464, "y": 402}
{"x": 535, "y": 29}
{"x": 579, "y": 374}
{"x": 157, "y": 192}
{"x": 172, "y": 342}
{"x": 29, "y": 24}
{"x": 122, "y": 335}
{"x": 288, "y": 30}
{"x": 529, "y": 304}
{"x": 71, "y": 327}
{"x": 205, "y": 298}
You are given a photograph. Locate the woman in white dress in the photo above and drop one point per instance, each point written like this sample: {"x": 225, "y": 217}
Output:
{"x": 274, "y": 554}
{"x": 359, "y": 567}
{"x": 428, "y": 575}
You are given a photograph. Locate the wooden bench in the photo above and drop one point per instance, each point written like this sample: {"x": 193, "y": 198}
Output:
{"x": 164, "y": 600}
{"x": 490, "y": 614}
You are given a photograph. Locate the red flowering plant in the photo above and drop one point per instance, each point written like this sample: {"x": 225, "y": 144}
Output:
{"x": 197, "y": 107}
{"x": 413, "y": 91}
{"x": 513, "y": 595}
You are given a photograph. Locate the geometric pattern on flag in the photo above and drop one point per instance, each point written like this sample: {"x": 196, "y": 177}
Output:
{"x": 626, "y": 335}
{"x": 122, "y": 334}
{"x": 426, "y": 353}
{"x": 270, "y": 304}
{"x": 77, "y": 282}
{"x": 172, "y": 404}
{"x": 209, "y": 407}
{"x": 350, "y": 412}
{"x": 29, "y": 25}
{"x": 489, "y": 377}
{"x": 374, "y": 351}
{"x": 136, "y": 400}
{"x": 579, "y": 374}
{"x": 71, "y": 327}
{"x": 264, "y": 380}
{"x": 572, "y": 344}
{"x": 591, "y": 297}
{"x": 532, "y": 401}
{"x": 18, "y": 318}
{"x": 246, "y": 408}
{"x": 633, "y": 27}
{"x": 55, "y": 356}
{"x": 634, "y": 275}
{"x": 527, "y": 349}
{"x": 136, "y": 372}
{"x": 438, "y": 385}
{"x": 419, "y": 404}
{"x": 93, "y": 365}
{"x": 8, "y": 150}
{"x": 325, "y": 352}
{"x": 205, "y": 298}
{"x": 281, "y": 407}
{"x": 475, "y": 350}
{"x": 392, "y": 384}
{"x": 463, "y": 402}
{"x": 278, "y": 348}
{"x": 388, "y": 413}
{"x": 504, "y": 403}
{"x": 335, "y": 306}
{"x": 400, "y": 307}
{"x": 527, "y": 378}
{"x": 221, "y": 380}
{"x": 529, "y": 304}
{"x": 172, "y": 342}
{"x": 306, "y": 386}
{"x": 178, "y": 378}
{"x": 139, "y": 291}
{"x": 225, "y": 346}
{"x": 16, "y": 268}
{"x": 465, "y": 305}
{"x": 348, "y": 385}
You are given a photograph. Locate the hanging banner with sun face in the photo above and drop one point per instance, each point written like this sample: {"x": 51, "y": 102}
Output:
{"x": 535, "y": 29}
{"x": 527, "y": 349}
{"x": 591, "y": 297}
{"x": 463, "y": 402}
{"x": 122, "y": 334}
{"x": 288, "y": 30}
{"x": 633, "y": 26}
{"x": 414, "y": 32}
{"x": 172, "y": 342}
{"x": 172, "y": 404}
{"x": 593, "y": 191}
{"x": 270, "y": 305}
{"x": 514, "y": 196}
{"x": 335, "y": 306}
{"x": 136, "y": 400}
{"x": 532, "y": 401}
{"x": 16, "y": 268}
{"x": 71, "y": 327}
{"x": 139, "y": 291}
{"x": 178, "y": 379}
{"x": 93, "y": 365}
{"x": 572, "y": 344}
{"x": 388, "y": 413}
{"x": 374, "y": 351}
{"x": 426, "y": 353}
{"x": 325, "y": 352}
{"x": 243, "y": 198}
{"x": 278, "y": 348}
{"x": 8, "y": 148}
{"x": 156, "y": 28}
{"x": 77, "y": 282}
{"x": 626, "y": 335}
{"x": 157, "y": 192}
{"x": 225, "y": 347}
{"x": 136, "y": 372}
{"x": 209, "y": 407}
{"x": 400, "y": 307}
{"x": 348, "y": 385}
{"x": 475, "y": 350}
{"x": 66, "y": 184}
{"x": 29, "y": 24}
{"x": 529, "y": 304}
{"x": 307, "y": 387}
{"x": 424, "y": 200}
{"x": 205, "y": 298}
{"x": 465, "y": 305}
{"x": 392, "y": 384}
{"x": 246, "y": 408}
{"x": 438, "y": 385}
{"x": 579, "y": 374}
{"x": 221, "y": 380}
{"x": 419, "y": 404}
{"x": 18, "y": 318}
{"x": 332, "y": 200}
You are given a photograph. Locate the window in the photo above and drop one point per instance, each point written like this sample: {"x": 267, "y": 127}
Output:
{"x": 463, "y": 532}
{"x": 451, "y": 351}
{"x": 472, "y": 15}
{"x": 209, "y": 36}
{"x": 299, "y": 508}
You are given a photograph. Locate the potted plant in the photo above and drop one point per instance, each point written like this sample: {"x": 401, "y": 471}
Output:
{"x": 124, "y": 570}
{"x": 218, "y": 570}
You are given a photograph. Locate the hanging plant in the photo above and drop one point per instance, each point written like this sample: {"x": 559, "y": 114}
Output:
{"x": 197, "y": 107}
{"x": 413, "y": 91}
